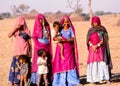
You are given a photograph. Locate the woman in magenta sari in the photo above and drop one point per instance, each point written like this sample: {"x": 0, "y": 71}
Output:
{"x": 99, "y": 60}
{"x": 42, "y": 40}
{"x": 66, "y": 71}
{"x": 22, "y": 45}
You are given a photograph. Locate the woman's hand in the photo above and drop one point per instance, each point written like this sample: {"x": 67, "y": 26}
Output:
{"x": 63, "y": 40}
{"x": 47, "y": 35}
{"x": 94, "y": 47}
{"x": 70, "y": 40}
{"x": 13, "y": 31}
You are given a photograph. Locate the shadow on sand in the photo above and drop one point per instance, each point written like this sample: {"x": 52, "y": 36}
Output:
{"x": 115, "y": 78}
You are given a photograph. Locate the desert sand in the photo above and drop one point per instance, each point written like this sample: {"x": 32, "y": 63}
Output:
{"x": 109, "y": 21}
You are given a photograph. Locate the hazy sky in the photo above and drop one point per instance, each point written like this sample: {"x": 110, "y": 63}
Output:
{"x": 56, "y": 5}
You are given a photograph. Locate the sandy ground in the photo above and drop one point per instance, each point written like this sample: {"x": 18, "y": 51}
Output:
{"x": 109, "y": 21}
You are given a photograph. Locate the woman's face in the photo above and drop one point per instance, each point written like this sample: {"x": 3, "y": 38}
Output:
{"x": 41, "y": 20}
{"x": 95, "y": 24}
{"x": 66, "y": 22}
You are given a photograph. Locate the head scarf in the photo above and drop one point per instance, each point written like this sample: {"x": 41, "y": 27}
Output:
{"x": 96, "y": 19}
{"x": 19, "y": 22}
{"x": 75, "y": 42}
{"x": 37, "y": 30}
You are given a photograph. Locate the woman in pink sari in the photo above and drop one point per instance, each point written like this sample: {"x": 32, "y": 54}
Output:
{"x": 22, "y": 45}
{"x": 99, "y": 60}
{"x": 42, "y": 40}
{"x": 66, "y": 71}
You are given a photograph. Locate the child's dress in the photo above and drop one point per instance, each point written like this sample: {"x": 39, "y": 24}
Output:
{"x": 24, "y": 69}
{"x": 42, "y": 69}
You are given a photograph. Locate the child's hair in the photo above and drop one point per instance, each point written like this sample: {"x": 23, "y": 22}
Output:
{"x": 23, "y": 57}
{"x": 40, "y": 52}
{"x": 56, "y": 23}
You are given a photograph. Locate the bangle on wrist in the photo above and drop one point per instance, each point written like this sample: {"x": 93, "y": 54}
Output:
{"x": 98, "y": 45}
{"x": 45, "y": 31}
{"x": 91, "y": 44}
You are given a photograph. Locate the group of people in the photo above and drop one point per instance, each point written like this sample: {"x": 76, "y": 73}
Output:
{"x": 61, "y": 68}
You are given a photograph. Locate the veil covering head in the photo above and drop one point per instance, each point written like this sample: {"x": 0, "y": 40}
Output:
{"x": 21, "y": 22}
{"x": 38, "y": 28}
{"x": 96, "y": 19}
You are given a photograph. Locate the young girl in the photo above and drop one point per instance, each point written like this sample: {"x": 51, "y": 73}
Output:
{"x": 23, "y": 66}
{"x": 42, "y": 66}
{"x": 56, "y": 34}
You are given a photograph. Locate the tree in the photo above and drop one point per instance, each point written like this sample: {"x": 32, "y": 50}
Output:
{"x": 90, "y": 9}
{"x": 23, "y": 8}
{"x": 75, "y": 5}
{"x": 5, "y": 15}
{"x": 20, "y": 10}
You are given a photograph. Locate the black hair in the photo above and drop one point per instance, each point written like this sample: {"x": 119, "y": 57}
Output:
{"x": 23, "y": 57}
{"x": 46, "y": 22}
{"x": 56, "y": 23}
{"x": 21, "y": 28}
{"x": 40, "y": 52}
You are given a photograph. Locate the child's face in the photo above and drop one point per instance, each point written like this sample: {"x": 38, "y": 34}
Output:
{"x": 21, "y": 61}
{"x": 56, "y": 27}
{"x": 44, "y": 54}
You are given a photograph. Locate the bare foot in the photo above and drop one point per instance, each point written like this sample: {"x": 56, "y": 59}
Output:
{"x": 10, "y": 84}
{"x": 108, "y": 82}
{"x": 101, "y": 82}
{"x": 80, "y": 85}
{"x": 93, "y": 83}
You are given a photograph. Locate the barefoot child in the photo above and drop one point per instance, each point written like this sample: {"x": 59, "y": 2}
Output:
{"x": 55, "y": 33}
{"x": 23, "y": 66}
{"x": 42, "y": 66}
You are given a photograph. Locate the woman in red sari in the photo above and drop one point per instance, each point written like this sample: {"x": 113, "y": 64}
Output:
{"x": 99, "y": 60}
{"x": 42, "y": 40}
{"x": 66, "y": 71}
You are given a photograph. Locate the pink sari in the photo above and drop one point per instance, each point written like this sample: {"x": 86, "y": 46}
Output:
{"x": 98, "y": 55}
{"x": 21, "y": 46}
{"x": 70, "y": 54}
{"x": 37, "y": 33}
{"x": 67, "y": 64}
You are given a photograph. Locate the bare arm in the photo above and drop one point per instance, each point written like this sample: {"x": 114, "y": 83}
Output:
{"x": 96, "y": 46}
{"x": 18, "y": 65}
{"x": 100, "y": 43}
{"x": 13, "y": 31}
{"x": 70, "y": 39}
{"x": 10, "y": 34}
{"x": 57, "y": 39}
{"x": 40, "y": 64}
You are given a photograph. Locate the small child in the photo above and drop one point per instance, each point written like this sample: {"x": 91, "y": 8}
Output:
{"x": 23, "y": 66}
{"x": 55, "y": 33}
{"x": 42, "y": 66}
